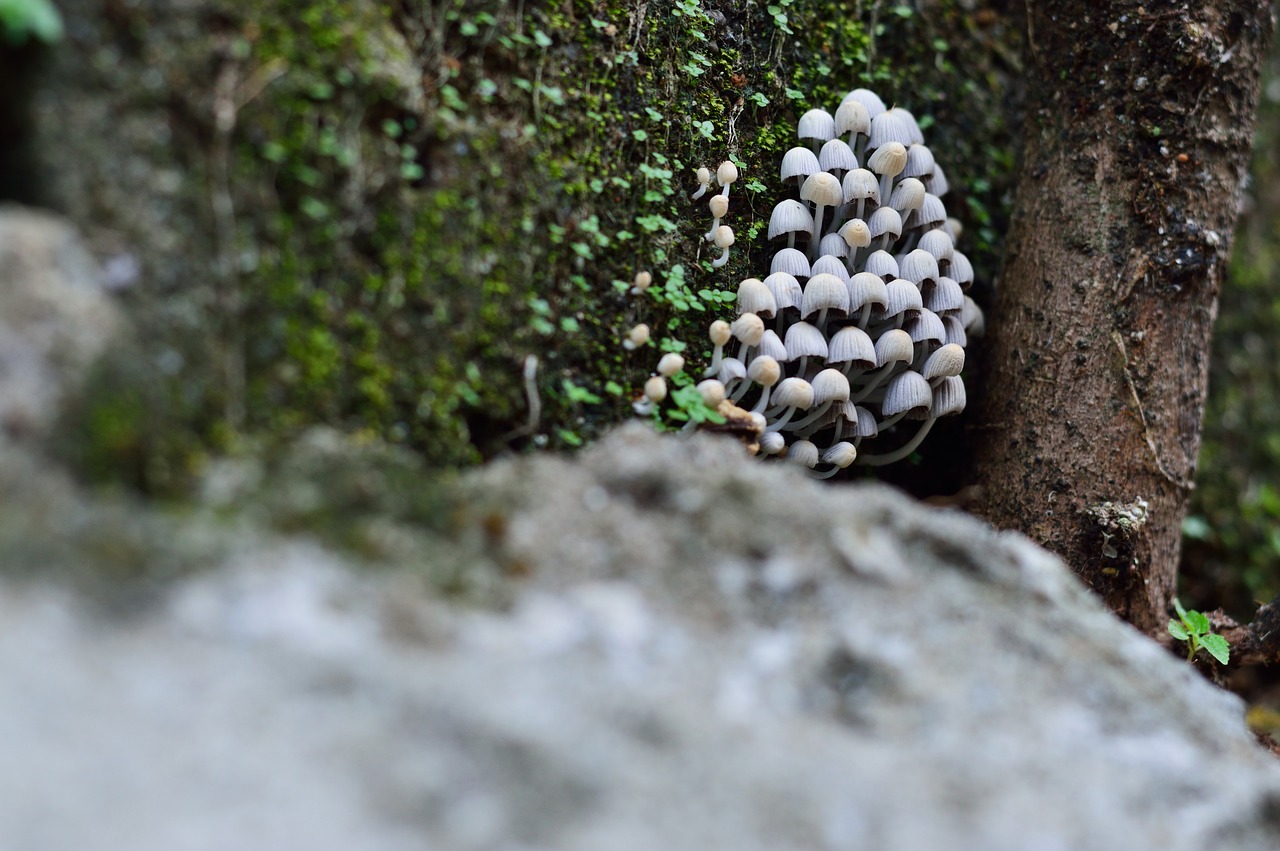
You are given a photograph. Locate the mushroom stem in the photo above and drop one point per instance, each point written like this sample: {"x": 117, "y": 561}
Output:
{"x": 902, "y": 451}
{"x": 711, "y": 234}
{"x": 817, "y": 230}
{"x": 764, "y": 401}
{"x": 876, "y": 378}
{"x": 812, "y": 417}
{"x": 722, "y": 259}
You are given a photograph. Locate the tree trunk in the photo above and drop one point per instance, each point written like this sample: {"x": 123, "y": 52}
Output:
{"x": 1138, "y": 140}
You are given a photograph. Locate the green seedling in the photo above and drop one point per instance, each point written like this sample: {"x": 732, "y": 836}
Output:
{"x": 1193, "y": 628}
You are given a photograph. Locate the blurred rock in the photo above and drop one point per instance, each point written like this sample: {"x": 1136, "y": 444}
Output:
{"x": 702, "y": 652}
{"x": 55, "y": 319}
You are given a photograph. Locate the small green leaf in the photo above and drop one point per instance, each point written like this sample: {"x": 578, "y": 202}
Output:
{"x": 1178, "y": 631}
{"x": 1197, "y": 622}
{"x": 1177, "y": 606}
{"x": 1218, "y": 647}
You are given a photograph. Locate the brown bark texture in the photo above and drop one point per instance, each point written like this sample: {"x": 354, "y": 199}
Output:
{"x": 1138, "y": 140}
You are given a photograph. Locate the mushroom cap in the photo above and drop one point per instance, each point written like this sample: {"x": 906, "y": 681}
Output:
{"x": 855, "y": 233}
{"x": 755, "y": 297}
{"x": 764, "y": 370}
{"x": 947, "y": 361}
{"x": 794, "y": 393}
{"x": 836, "y": 155}
{"x": 816, "y": 124}
{"x": 908, "y": 195}
{"x": 867, "y": 98}
{"x": 890, "y": 127}
{"x": 748, "y": 328}
{"x": 961, "y": 269}
{"x": 919, "y": 162}
{"x": 885, "y": 220}
{"x": 719, "y": 332}
{"x": 937, "y": 182}
{"x": 955, "y": 331}
{"x": 917, "y": 138}
{"x": 833, "y": 245}
{"x": 822, "y": 188}
{"x": 908, "y": 393}
{"x": 840, "y": 455}
{"x": 889, "y": 158}
{"x": 902, "y": 296}
{"x": 948, "y": 397}
{"x": 894, "y": 346}
{"x": 771, "y": 344}
{"x": 719, "y": 206}
{"x": 881, "y": 263}
{"x": 852, "y": 116}
{"x": 859, "y": 184}
{"x": 637, "y": 336}
{"x": 919, "y": 266}
{"x": 945, "y": 297}
{"x": 975, "y": 323}
{"x": 932, "y": 212}
{"x": 830, "y": 385}
{"x": 853, "y": 346}
{"x": 797, "y": 164}
{"x": 642, "y": 281}
{"x": 866, "y": 421}
{"x": 712, "y": 391}
{"x": 655, "y": 389}
{"x": 785, "y": 288}
{"x": 805, "y": 340}
{"x": 704, "y": 175}
{"x": 938, "y": 243}
{"x": 803, "y": 452}
{"x": 727, "y": 173}
{"x": 731, "y": 369}
{"x": 925, "y": 327}
{"x": 829, "y": 264}
{"x": 824, "y": 291}
{"x": 724, "y": 236}
{"x": 790, "y": 260}
{"x": 772, "y": 442}
{"x": 867, "y": 288}
{"x": 670, "y": 364}
{"x": 790, "y": 216}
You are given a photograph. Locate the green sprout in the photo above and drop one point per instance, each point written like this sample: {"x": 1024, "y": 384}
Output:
{"x": 23, "y": 20}
{"x": 1194, "y": 628}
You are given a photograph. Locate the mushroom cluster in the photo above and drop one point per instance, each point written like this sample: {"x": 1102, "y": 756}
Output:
{"x": 854, "y": 341}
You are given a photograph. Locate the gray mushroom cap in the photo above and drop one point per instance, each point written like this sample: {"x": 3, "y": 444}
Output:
{"x": 771, "y": 345}
{"x": 861, "y": 184}
{"x": 790, "y": 260}
{"x": 917, "y": 138}
{"x": 795, "y": 393}
{"x": 889, "y": 126}
{"x": 961, "y": 270}
{"x": 805, "y": 340}
{"x": 894, "y": 346}
{"x": 852, "y": 117}
{"x": 902, "y": 297}
{"x": 938, "y": 243}
{"x": 867, "y": 288}
{"x": 785, "y": 288}
{"x": 816, "y": 125}
{"x": 837, "y": 156}
{"x": 948, "y": 397}
{"x": 790, "y": 216}
{"x": 833, "y": 245}
{"x": 919, "y": 162}
{"x": 955, "y": 331}
{"x": 945, "y": 297}
{"x": 867, "y": 98}
{"x": 947, "y": 361}
{"x": 851, "y": 345}
{"x": 883, "y": 264}
{"x": 824, "y": 292}
{"x": 731, "y": 369}
{"x": 909, "y": 394}
{"x": 971, "y": 317}
{"x": 932, "y": 212}
{"x": 919, "y": 267}
{"x": 797, "y": 164}
{"x": 937, "y": 183}
{"x": 804, "y": 453}
{"x": 829, "y": 264}
{"x": 830, "y": 385}
{"x": 926, "y": 327}
{"x": 755, "y": 297}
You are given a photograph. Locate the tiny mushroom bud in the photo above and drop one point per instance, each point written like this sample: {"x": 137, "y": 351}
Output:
{"x": 791, "y": 394}
{"x": 670, "y": 364}
{"x": 840, "y": 456}
{"x": 766, "y": 372}
{"x": 642, "y": 282}
{"x": 655, "y": 389}
{"x": 748, "y": 328}
{"x": 636, "y": 337}
{"x": 771, "y": 443}
{"x": 946, "y": 362}
{"x": 712, "y": 392}
{"x": 719, "y": 206}
{"x": 720, "y": 335}
{"x": 726, "y": 174}
{"x": 804, "y": 453}
{"x": 724, "y": 239}
{"x": 704, "y": 180}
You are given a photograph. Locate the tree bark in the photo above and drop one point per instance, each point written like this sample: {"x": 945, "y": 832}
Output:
{"x": 1138, "y": 139}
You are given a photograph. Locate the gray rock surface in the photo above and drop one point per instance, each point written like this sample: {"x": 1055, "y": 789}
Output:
{"x": 700, "y": 652}
{"x": 55, "y": 318}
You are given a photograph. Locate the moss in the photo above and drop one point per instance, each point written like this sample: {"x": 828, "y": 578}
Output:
{"x": 414, "y": 197}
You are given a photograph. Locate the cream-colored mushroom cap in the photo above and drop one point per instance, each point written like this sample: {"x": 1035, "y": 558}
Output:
{"x": 655, "y": 389}
{"x": 822, "y": 189}
{"x": 719, "y": 206}
{"x": 841, "y": 454}
{"x": 727, "y": 173}
{"x": 755, "y": 297}
{"x": 748, "y": 328}
{"x": 894, "y": 346}
{"x": 712, "y": 392}
{"x": 764, "y": 370}
{"x": 719, "y": 332}
{"x": 830, "y": 385}
{"x": 888, "y": 159}
{"x": 724, "y": 236}
{"x": 855, "y": 233}
{"x": 794, "y": 393}
{"x": 670, "y": 364}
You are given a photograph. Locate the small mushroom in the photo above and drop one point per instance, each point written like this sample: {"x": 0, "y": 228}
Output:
{"x": 889, "y": 128}
{"x": 837, "y": 157}
{"x": 882, "y": 263}
{"x": 766, "y": 372}
{"x": 840, "y": 456}
{"x": 867, "y": 98}
{"x": 798, "y": 164}
{"x": 913, "y": 128}
{"x": 852, "y": 117}
{"x": 816, "y": 127}
{"x": 833, "y": 247}
{"x": 805, "y": 341}
{"x": 829, "y": 387}
{"x": 719, "y": 206}
{"x": 755, "y": 297}
{"x": 790, "y": 217}
{"x": 867, "y": 291}
{"x": 724, "y": 239}
{"x": 861, "y": 186}
{"x": 919, "y": 162}
{"x": 791, "y": 395}
{"x": 907, "y": 196}
{"x": 885, "y": 225}
{"x": 851, "y": 349}
{"x": 771, "y": 345}
{"x": 712, "y": 392}
{"x": 946, "y": 362}
{"x": 726, "y": 174}
{"x": 971, "y": 318}
{"x": 642, "y": 282}
{"x": 772, "y": 443}
{"x": 961, "y": 270}
{"x": 791, "y": 261}
{"x": 655, "y": 389}
{"x": 786, "y": 290}
{"x": 636, "y": 337}
{"x": 804, "y": 453}
{"x": 888, "y": 161}
{"x": 945, "y": 298}
{"x": 822, "y": 190}
{"x": 669, "y": 364}
{"x": 824, "y": 293}
{"x": 704, "y": 180}
{"x": 720, "y": 335}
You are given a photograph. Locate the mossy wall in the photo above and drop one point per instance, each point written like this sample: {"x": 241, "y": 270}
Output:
{"x": 370, "y": 215}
